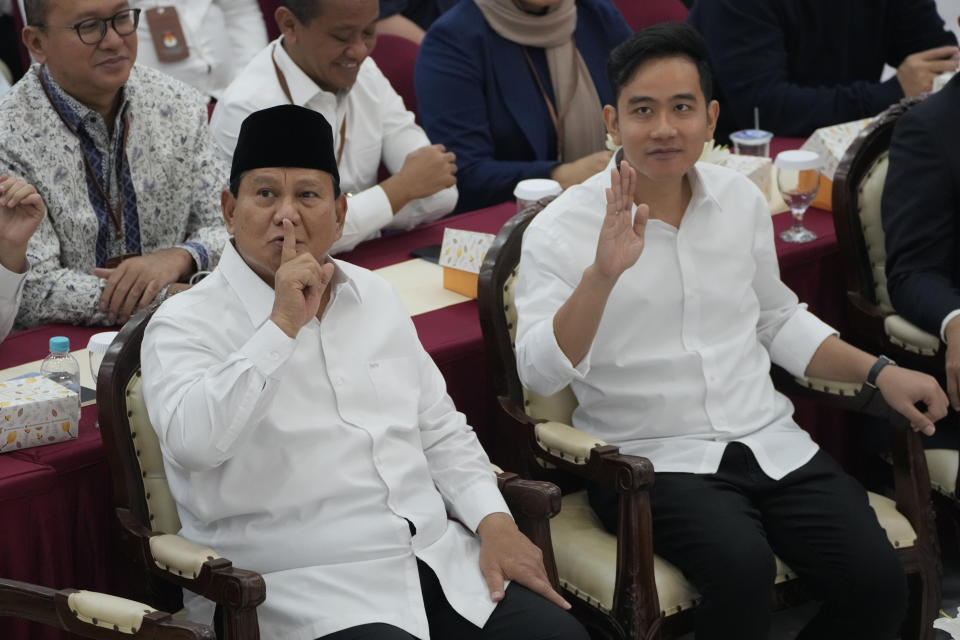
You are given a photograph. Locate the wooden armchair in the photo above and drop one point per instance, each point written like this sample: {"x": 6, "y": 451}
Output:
{"x": 156, "y": 563}
{"x": 94, "y": 615}
{"x": 619, "y": 587}
{"x": 873, "y": 322}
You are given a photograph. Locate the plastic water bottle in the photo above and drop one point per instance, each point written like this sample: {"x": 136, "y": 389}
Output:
{"x": 61, "y": 367}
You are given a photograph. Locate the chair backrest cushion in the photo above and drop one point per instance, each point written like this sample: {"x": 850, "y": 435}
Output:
{"x": 160, "y": 502}
{"x": 869, "y": 194}
{"x": 558, "y": 407}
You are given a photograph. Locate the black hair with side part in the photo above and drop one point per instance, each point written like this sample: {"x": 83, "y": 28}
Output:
{"x": 664, "y": 40}
{"x": 303, "y": 10}
{"x": 35, "y": 10}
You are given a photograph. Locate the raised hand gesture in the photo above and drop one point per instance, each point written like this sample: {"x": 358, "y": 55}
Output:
{"x": 21, "y": 210}
{"x": 621, "y": 238}
{"x": 299, "y": 285}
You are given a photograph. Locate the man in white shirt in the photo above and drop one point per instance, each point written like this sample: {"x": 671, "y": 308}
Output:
{"x": 308, "y": 436}
{"x": 653, "y": 290}
{"x": 219, "y": 38}
{"x": 21, "y": 210}
{"x": 322, "y": 62}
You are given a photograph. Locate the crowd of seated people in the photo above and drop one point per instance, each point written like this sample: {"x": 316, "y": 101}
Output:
{"x": 119, "y": 188}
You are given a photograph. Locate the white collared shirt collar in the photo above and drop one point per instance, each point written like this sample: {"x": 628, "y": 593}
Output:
{"x": 302, "y": 87}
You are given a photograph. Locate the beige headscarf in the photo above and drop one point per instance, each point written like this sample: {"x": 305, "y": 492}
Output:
{"x": 583, "y": 128}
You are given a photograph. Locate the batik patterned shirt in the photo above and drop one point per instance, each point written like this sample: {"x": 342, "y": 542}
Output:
{"x": 174, "y": 171}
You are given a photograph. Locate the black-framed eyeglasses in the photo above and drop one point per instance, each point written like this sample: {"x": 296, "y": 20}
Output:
{"x": 94, "y": 30}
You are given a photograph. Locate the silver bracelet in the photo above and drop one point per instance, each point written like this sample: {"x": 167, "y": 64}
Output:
{"x": 198, "y": 276}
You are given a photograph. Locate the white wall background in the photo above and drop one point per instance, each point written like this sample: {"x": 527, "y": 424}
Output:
{"x": 949, "y": 10}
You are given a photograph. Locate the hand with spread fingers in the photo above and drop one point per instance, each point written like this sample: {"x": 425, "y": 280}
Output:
{"x": 300, "y": 285}
{"x": 621, "y": 235}
{"x": 136, "y": 281}
{"x": 21, "y": 211}
{"x": 507, "y": 554}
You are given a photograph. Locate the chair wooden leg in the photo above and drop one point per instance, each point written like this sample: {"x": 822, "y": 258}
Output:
{"x": 240, "y": 624}
{"x": 925, "y": 593}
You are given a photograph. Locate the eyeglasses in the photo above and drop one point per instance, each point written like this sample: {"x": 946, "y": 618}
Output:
{"x": 94, "y": 30}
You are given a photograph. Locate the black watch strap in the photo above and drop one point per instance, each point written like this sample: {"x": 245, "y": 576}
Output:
{"x": 875, "y": 370}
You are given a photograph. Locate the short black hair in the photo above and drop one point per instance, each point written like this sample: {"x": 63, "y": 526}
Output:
{"x": 663, "y": 40}
{"x": 36, "y": 11}
{"x": 303, "y": 10}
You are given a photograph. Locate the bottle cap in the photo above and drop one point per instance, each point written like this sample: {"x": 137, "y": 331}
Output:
{"x": 59, "y": 344}
{"x": 100, "y": 342}
{"x": 536, "y": 188}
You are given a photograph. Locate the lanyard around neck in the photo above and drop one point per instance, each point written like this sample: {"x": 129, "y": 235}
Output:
{"x": 115, "y": 214}
{"x": 282, "y": 79}
{"x": 556, "y": 118}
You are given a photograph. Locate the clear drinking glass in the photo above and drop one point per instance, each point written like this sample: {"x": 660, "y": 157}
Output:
{"x": 798, "y": 178}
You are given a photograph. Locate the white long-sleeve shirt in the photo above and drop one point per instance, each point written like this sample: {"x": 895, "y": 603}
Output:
{"x": 222, "y": 35}
{"x": 680, "y": 362}
{"x": 303, "y": 459}
{"x": 379, "y": 129}
{"x": 11, "y": 290}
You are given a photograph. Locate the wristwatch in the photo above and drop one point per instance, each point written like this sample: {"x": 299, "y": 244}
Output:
{"x": 875, "y": 370}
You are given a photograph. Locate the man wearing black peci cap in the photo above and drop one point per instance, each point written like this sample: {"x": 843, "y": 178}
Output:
{"x": 308, "y": 436}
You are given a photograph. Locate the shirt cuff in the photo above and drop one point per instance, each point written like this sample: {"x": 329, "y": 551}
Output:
{"x": 553, "y": 369}
{"x": 268, "y": 348}
{"x": 478, "y": 501}
{"x": 11, "y": 283}
{"x": 799, "y": 338}
{"x": 199, "y": 254}
{"x": 943, "y": 325}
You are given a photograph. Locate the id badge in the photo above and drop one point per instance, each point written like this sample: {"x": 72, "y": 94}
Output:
{"x": 167, "y": 33}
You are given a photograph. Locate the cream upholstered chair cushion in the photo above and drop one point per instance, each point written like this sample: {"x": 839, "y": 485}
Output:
{"x": 942, "y": 465}
{"x": 587, "y": 555}
{"x": 108, "y": 612}
{"x": 909, "y": 336}
{"x": 160, "y": 503}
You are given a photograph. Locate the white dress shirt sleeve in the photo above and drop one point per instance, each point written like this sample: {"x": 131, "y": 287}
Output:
{"x": 789, "y": 332}
{"x": 544, "y": 283}
{"x": 943, "y": 325}
{"x": 245, "y": 28}
{"x": 11, "y": 290}
{"x": 401, "y": 136}
{"x": 204, "y": 402}
{"x": 458, "y": 464}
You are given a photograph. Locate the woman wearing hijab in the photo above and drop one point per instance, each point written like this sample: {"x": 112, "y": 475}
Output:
{"x": 516, "y": 88}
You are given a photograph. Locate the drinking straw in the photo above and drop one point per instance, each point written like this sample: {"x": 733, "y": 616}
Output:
{"x": 756, "y": 118}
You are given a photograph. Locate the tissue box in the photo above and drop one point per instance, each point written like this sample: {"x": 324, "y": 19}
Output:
{"x": 461, "y": 255}
{"x": 754, "y": 167}
{"x": 36, "y": 411}
{"x": 831, "y": 143}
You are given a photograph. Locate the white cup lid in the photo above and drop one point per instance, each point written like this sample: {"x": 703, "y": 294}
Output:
{"x": 751, "y": 137}
{"x": 798, "y": 160}
{"x": 100, "y": 342}
{"x": 536, "y": 188}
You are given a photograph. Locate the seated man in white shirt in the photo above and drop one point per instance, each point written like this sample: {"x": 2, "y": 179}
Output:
{"x": 21, "y": 210}
{"x": 653, "y": 290}
{"x": 322, "y": 62}
{"x": 308, "y": 436}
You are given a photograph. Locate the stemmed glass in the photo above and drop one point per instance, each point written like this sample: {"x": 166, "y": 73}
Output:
{"x": 798, "y": 178}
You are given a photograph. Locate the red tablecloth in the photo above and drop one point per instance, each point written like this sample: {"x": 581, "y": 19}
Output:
{"x": 55, "y": 500}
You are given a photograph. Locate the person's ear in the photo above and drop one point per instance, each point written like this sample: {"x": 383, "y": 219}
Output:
{"x": 228, "y": 204}
{"x": 713, "y": 112}
{"x": 613, "y": 123}
{"x": 35, "y": 40}
{"x": 287, "y": 23}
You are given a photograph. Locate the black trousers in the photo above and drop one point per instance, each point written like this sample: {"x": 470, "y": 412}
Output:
{"x": 521, "y": 615}
{"x": 722, "y": 531}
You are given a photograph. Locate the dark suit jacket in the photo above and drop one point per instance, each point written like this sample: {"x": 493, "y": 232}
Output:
{"x": 921, "y": 210}
{"x": 807, "y": 64}
{"x": 477, "y": 97}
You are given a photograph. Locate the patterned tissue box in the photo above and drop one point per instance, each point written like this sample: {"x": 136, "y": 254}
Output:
{"x": 754, "y": 167}
{"x": 461, "y": 256}
{"x": 36, "y": 411}
{"x": 831, "y": 143}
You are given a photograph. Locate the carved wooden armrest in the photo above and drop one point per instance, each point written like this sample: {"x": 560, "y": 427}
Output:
{"x": 78, "y": 611}
{"x": 533, "y": 503}
{"x": 565, "y": 441}
{"x": 195, "y": 568}
{"x": 850, "y": 396}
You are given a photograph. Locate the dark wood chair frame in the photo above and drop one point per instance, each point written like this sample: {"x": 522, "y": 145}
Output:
{"x": 237, "y": 591}
{"x": 50, "y": 607}
{"x": 636, "y": 610}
